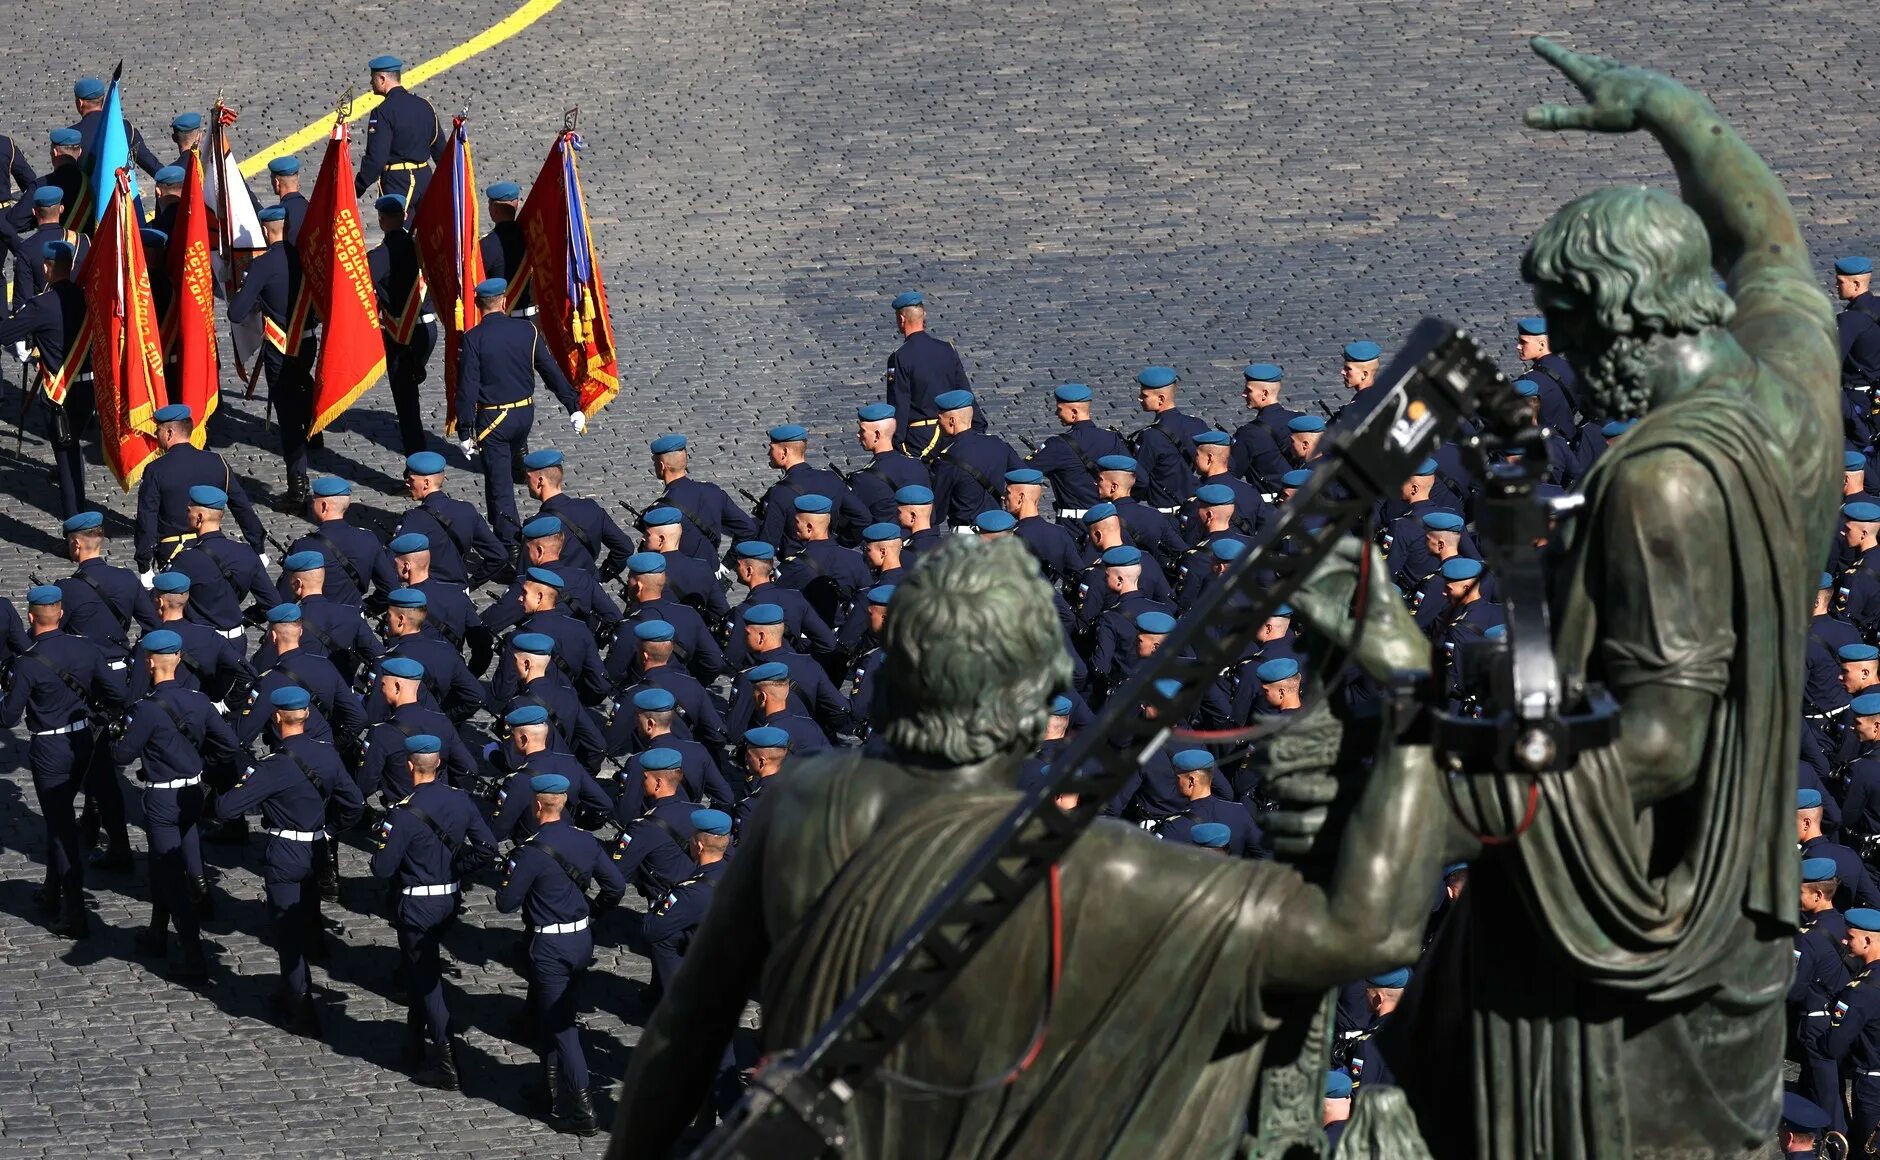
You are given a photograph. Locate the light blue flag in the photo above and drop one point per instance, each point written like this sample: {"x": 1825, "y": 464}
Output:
{"x": 108, "y": 151}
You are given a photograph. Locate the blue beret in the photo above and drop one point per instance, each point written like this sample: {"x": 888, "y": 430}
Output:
{"x": 538, "y": 644}
{"x": 1155, "y": 623}
{"x": 907, "y": 298}
{"x": 172, "y": 413}
{"x": 1496, "y": 632}
{"x": 1226, "y": 550}
{"x": 1862, "y": 511}
{"x": 1533, "y": 324}
{"x": 1097, "y": 513}
{"x": 767, "y": 737}
{"x": 874, "y": 412}
{"x": 171, "y": 582}
{"x": 203, "y": 495}
{"x": 788, "y": 433}
{"x": 44, "y": 594}
{"x": 1337, "y": 1085}
{"x": 1306, "y": 423}
{"x": 1454, "y": 868}
{"x": 186, "y": 122}
{"x": 1863, "y": 918}
{"x": 661, "y": 758}
{"x": 328, "y": 486}
{"x": 290, "y": 697}
{"x": 424, "y": 743}
{"x": 1362, "y": 351}
{"x": 1808, "y": 799}
{"x": 67, "y": 138}
{"x": 1427, "y": 467}
{"x": 1155, "y": 378}
{"x": 1213, "y": 439}
{"x": 541, "y": 460}
{"x": 655, "y": 700}
{"x": 503, "y": 191}
{"x": 1461, "y": 568}
{"x": 1122, "y": 556}
{"x": 1297, "y": 477}
{"x": 541, "y": 526}
{"x": 1853, "y": 461}
{"x": 1818, "y": 869}
{"x": 878, "y": 532}
{"x": 153, "y": 237}
{"x": 47, "y": 196}
{"x": 162, "y": 641}
{"x": 768, "y": 671}
{"x": 169, "y": 175}
{"x": 408, "y": 598}
{"x": 1189, "y": 760}
{"x": 1526, "y": 388}
{"x": 57, "y": 251}
{"x": 666, "y": 444}
{"x": 1211, "y": 835}
{"x": 1214, "y": 494}
{"x": 661, "y": 517}
{"x": 1283, "y": 610}
{"x": 83, "y": 522}
{"x": 1865, "y": 705}
{"x": 544, "y": 577}
{"x": 759, "y": 550}
{"x": 424, "y": 463}
{"x": 711, "y": 822}
{"x": 952, "y": 400}
{"x": 549, "y": 783}
{"x": 88, "y": 88}
{"x": 408, "y": 543}
{"x": 1857, "y": 652}
{"x": 994, "y": 520}
{"x": 1827, "y": 580}
{"x": 1613, "y": 428}
{"x": 1116, "y": 463}
{"x": 304, "y": 562}
{"x": 1397, "y": 978}
{"x": 913, "y": 495}
{"x": 1262, "y": 372}
{"x": 1853, "y": 264}
{"x": 1060, "y": 706}
{"x": 284, "y": 614}
{"x": 404, "y": 668}
{"x": 1804, "y": 1114}
{"x": 492, "y": 288}
{"x": 390, "y": 203}
{"x": 1071, "y": 393}
{"x": 1441, "y": 521}
{"x": 881, "y": 594}
{"x": 813, "y": 504}
{"x": 284, "y": 166}
{"x": 1167, "y": 687}
{"x": 526, "y": 715}
{"x": 763, "y": 615}
{"x": 644, "y": 563}
{"x": 1277, "y": 669}
{"x": 654, "y": 630}
{"x": 1025, "y": 477}
{"x": 272, "y": 213}
{"x": 385, "y": 64}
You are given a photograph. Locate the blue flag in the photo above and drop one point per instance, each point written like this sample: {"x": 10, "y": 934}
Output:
{"x": 108, "y": 151}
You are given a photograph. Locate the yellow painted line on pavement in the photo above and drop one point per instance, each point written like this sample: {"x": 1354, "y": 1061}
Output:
{"x": 521, "y": 18}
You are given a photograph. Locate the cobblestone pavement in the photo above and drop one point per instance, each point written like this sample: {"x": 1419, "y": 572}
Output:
{"x": 1079, "y": 189}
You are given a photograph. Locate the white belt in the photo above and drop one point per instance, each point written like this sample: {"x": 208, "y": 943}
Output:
{"x": 1169, "y": 511}
{"x": 528, "y": 312}
{"x": 235, "y": 633}
{"x": 961, "y": 529}
{"x": 1867, "y": 1073}
{"x": 427, "y": 318}
{"x": 296, "y": 835}
{"x": 82, "y": 379}
{"x": 117, "y": 666}
{"x": 72, "y": 728}
{"x": 562, "y": 927}
{"x": 430, "y": 891}
{"x": 183, "y": 784}
{"x": 1814, "y": 1014}
{"x": 1072, "y": 513}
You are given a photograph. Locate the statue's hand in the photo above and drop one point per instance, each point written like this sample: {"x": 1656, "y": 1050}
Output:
{"x": 1620, "y": 97}
{"x": 1391, "y": 641}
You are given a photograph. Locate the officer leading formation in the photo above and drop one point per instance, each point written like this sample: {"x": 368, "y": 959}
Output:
{"x": 569, "y": 711}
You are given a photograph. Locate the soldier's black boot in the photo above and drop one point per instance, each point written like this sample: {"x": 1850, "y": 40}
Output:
{"x": 152, "y": 941}
{"x": 551, "y": 1091}
{"x": 201, "y": 898}
{"x": 303, "y": 1017}
{"x": 578, "y": 1117}
{"x": 329, "y": 873}
{"x": 72, "y": 921}
{"x": 440, "y": 1068}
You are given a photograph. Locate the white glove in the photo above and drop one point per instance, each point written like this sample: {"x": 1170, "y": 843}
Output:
{"x": 220, "y": 707}
{"x": 20, "y": 352}
{"x": 469, "y": 447}
{"x": 265, "y": 562}
{"x": 149, "y": 578}
{"x": 578, "y": 421}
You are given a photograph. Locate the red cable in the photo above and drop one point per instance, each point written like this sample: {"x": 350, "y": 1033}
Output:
{"x": 1527, "y": 819}
{"x": 1057, "y": 972}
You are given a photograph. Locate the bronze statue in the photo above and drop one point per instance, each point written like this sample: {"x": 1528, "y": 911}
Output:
{"x": 1176, "y": 958}
{"x": 1611, "y": 984}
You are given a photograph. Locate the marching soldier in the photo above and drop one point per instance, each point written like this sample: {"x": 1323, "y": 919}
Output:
{"x": 526, "y": 753}
{"x": 269, "y": 289}
{"x": 1858, "y": 325}
{"x": 599, "y": 543}
{"x": 504, "y": 247}
{"x": 385, "y": 770}
{"x": 1165, "y": 449}
{"x": 355, "y": 559}
{"x": 665, "y": 930}
{"x": 337, "y": 717}
{"x": 888, "y": 470}
{"x": 50, "y": 323}
{"x": 336, "y": 631}
{"x": 102, "y": 602}
{"x": 47, "y": 207}
{"x": 921, "y": 370}
{"x": 284, "y": 177}
{"x": 463, "y": 548}
{"x": 1259, "y": 448}
{"x": 15, "y": 173}
{"x": 496, "y": 371}
{"x": 969, "y": 473}
{"x": 710, "y": 514}
{"x": 402, "y": 136}
{"x": 450, "y": 685}
{"x": 1558, "y": 383}
{"x": 1069, "y": 458}
{"x": 395, "y": 273}
{"x": 222, "y": 572}
{"x": 163, "y": 493}
{"x": 211, "y": 662}
{"x": 789, "y": 450}
{"x": 88, "y": 95}
{"x": 186, "y": 132}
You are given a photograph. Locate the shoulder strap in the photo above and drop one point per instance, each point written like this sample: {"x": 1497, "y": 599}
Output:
{"x": 333, "y": 553}
{"x": 1090, "y": 464}
{"x": 579, "y": 879}
{"x": 83, "y": 697}
{"x": 123, "y": 621}
{"x": 415, "y": 811}
{"x": 581, "y": 537}
{"x": 325, "y": 638}
{"x": 202, "y": 546}
{"x": 978, "y": 476}
{"x": 307, "y": 771}
{"x": 665, "y": 825}
{"x": 679, "y": 507}
{"x": 176, "y": 718}
{"x": 1871, "y": 309}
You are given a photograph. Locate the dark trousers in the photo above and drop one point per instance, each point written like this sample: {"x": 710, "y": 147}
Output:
{"x": 405, "y": 369}
{"x": 170, "y": 817}
{"x": 666, "y": 954}
{"x": 67, "y": 425}
{"x": 502, "y": 450}
{"x": 294, "y": 909}
{"x": 105, "y": 793}
{"x": 290, "y": 388}
{"x": 421, "y": 923}
{"x": 555, "y": 963}
{"x": 57, "y": 764}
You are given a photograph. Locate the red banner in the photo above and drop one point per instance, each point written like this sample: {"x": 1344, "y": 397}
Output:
{"x": 336, "y": 287}
{"x": 560, "y": 267}
{"x": 126, "y": 349}
{"x": 450, "y": 252}
{"x": 189, "y": 331}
